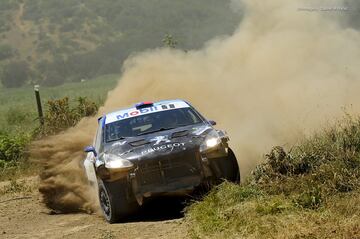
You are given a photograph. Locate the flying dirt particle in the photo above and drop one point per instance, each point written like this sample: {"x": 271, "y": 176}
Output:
{"x": 62, "y": 181}
{"x": 278, "y": 77}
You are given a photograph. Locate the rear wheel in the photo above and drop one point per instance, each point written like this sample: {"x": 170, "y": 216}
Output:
{"x": 115, "y": 200}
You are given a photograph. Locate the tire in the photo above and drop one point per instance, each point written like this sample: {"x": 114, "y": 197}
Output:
{"x": 115, "y": 201}
{"x": 229, "y": 168}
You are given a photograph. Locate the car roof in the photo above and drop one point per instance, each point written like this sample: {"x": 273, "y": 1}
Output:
{"x": 134, "y": 111}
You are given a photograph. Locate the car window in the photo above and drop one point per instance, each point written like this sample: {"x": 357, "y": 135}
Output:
{"x": 150, "y": 122}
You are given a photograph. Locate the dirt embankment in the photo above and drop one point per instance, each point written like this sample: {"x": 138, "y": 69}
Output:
{"x": 23, "y": 215}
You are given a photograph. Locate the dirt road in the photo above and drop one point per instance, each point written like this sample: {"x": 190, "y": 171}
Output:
{"x": 22, "y": 215}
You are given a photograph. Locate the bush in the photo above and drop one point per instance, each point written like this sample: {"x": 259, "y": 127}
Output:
{"x": 329, "y": 161}
{"x": 310, "y": 199}
{"x": 60, "y": 115}
{"x": 12, "y": 147}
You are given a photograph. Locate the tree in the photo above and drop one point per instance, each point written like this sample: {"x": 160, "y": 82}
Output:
{"x": 15, "y": 74}
{"x": 6, "y": 51}
{"x": 169, "y": 41}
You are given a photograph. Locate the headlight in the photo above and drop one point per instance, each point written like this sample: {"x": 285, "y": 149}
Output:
{"x": 115, "y": 162}
{"x": 211, "y": 141}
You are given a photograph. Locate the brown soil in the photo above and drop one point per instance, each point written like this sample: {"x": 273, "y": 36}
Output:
{"x": 23, "y": 215}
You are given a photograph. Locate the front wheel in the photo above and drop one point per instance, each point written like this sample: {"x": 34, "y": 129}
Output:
{"x": 115, "y": 200}
{"x": 229, "y": 168}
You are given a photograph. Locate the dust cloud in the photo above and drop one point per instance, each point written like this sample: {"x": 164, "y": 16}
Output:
{"x": 63, "y": 183}
{"x": 286, "y": 71}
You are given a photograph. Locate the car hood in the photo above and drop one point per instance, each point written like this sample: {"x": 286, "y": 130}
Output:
{"x": 163, "y": 142}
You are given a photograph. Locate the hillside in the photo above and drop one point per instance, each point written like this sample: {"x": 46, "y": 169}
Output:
{"x": 56, "y": 41}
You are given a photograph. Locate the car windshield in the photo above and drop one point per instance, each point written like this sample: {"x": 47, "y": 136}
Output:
{"x": 149, "y": 123}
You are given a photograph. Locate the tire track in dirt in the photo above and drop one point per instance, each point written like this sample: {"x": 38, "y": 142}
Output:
{"x": 29, "y": 218}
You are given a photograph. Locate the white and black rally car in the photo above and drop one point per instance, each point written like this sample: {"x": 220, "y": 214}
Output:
{"x": 155, "y": 149}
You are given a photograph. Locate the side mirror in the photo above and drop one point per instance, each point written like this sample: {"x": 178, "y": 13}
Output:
{"x": 89, "y": 149}
{"x": 212, "y": 122}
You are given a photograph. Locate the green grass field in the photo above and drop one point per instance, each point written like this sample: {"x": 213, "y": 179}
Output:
{"x": 18, "y": 106}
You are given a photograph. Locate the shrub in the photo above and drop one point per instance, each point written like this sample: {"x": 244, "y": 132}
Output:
{"x": 310, "y": 199}
{"x": 60, "y": 115}
{"x": 2, "y": 163}
{"x": 85, "y": 108}
{"x": 12, "y": 147}
{"x": 329, "y": 161}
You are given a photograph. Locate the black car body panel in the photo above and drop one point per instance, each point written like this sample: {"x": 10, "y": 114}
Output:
{"x": 164, "y": 162}
{"x": 167, "y": 161}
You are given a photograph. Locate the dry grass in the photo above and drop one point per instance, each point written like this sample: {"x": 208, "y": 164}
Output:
{"x": 273, "y": 217}
{"x": 311, "y": 191}
{"x": 20, "y": 169}
{"x": 18, "y": 186}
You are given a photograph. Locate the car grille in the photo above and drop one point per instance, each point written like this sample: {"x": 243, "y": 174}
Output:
{"x": 168, "y": 169}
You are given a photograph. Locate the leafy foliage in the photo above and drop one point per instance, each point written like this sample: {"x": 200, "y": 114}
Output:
{"x": 169, "y": 41}
{"x": 12, "y": 147}
{"x": 60, "y": 115}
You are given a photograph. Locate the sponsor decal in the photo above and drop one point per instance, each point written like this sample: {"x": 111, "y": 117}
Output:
{"x": 133, "y": 112}
{"x": 159, "y": 139}
{"x": 136, "y": 112}
{"x": 163, "y": 147}
{"x": 119, "y": 143}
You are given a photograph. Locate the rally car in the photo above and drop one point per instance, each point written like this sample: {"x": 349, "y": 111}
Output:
{"x": 154, "y": 149}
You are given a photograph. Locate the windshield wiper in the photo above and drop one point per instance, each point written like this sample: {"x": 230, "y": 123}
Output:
{"x": 182, "y": 125}
{"x": 154, "y": 131}
{"x": 111, "y": 140}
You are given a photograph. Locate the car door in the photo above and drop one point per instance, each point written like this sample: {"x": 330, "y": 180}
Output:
{"x": 89, "y": 162}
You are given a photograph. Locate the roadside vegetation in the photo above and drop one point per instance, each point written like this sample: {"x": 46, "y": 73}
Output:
{"x": 309, "y": 191}
{"x": 19, "y": 125}
{"x": 17, "y": 186}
